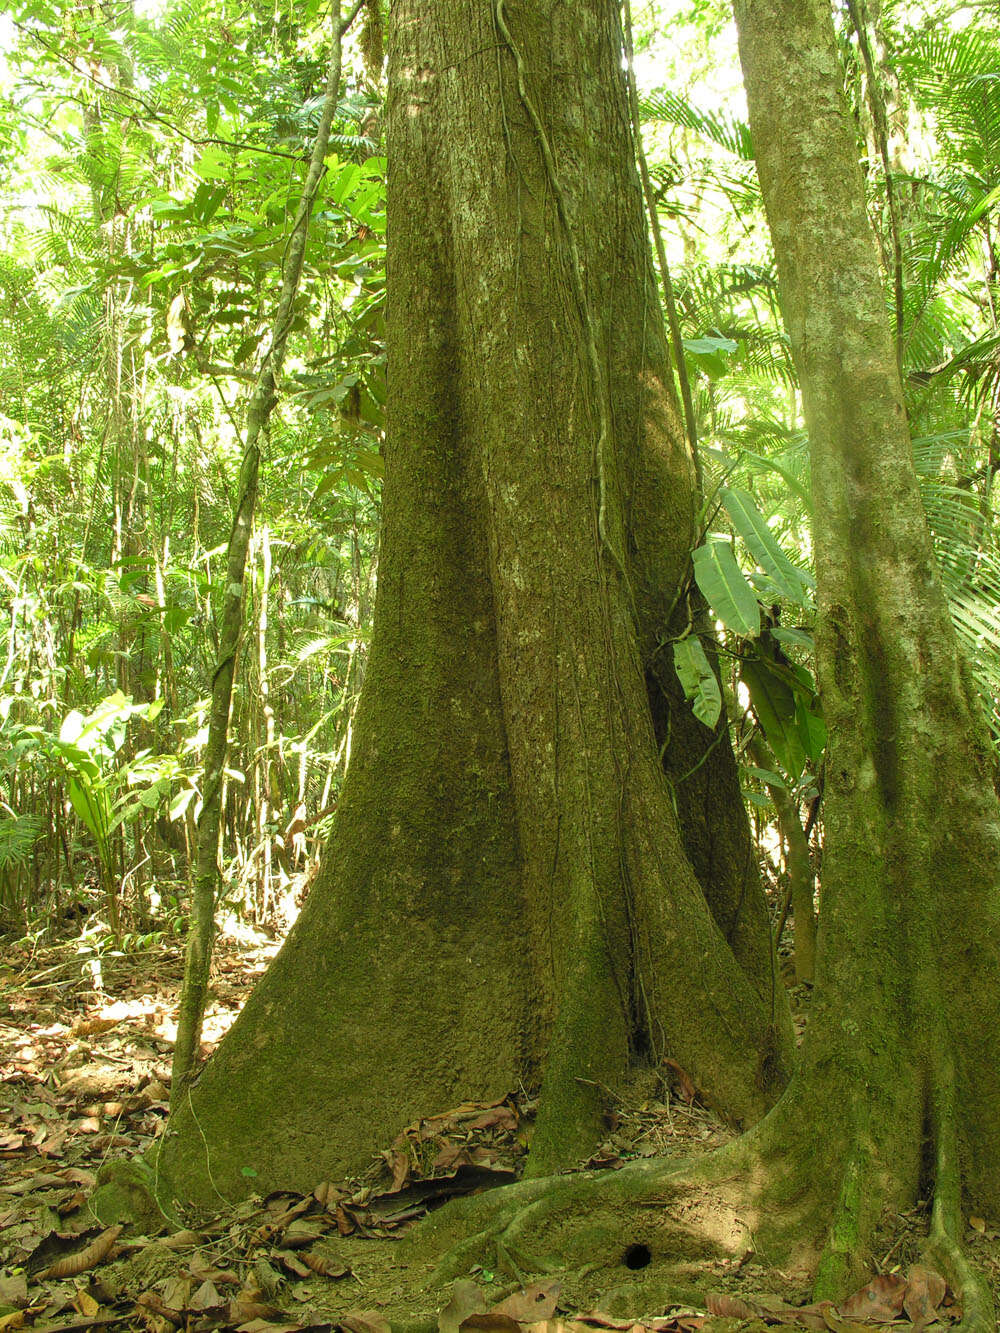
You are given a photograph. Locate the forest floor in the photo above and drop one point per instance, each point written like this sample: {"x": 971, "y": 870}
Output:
{"x": 85, "y": 1047}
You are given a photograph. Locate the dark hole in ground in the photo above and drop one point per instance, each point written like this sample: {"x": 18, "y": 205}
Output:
{"x": 636, "y": 1256}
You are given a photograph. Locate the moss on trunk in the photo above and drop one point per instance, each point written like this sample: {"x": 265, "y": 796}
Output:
{"x": 509, "y": 894}
{"x": 897, "y": 1094}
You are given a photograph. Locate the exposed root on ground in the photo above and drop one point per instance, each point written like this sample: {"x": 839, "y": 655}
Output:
{"x": 655, "y": 1234}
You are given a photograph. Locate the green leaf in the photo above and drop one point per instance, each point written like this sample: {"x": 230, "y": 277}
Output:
{"x": 709, "y": 344}
{"x": 795, "y": 637}
{"x": 775, "y": 705}
{"x": 725, "y": 588}
{"x": 760, "y": 541}
{"x": 710, "y": 354}
{"x": 786, "y": 475}
{"x": 812, "y": 730}
{"x": 767, "y": 776}
{"x": 698, "y": 680}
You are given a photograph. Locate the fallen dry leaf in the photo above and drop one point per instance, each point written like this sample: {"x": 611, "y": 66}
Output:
{"x": 324, "y": 1267}
{"x": 878, "y": 1302}
{"x": 14, "y": 1290}
{"x": 266, "y": 1326}
{"x": 364, "y": 1321}
{"x": 85, "y": 1304}
{"x": 93, "y": 1027}
{"x": 536, "y": 1303}
{"x": 489, "y": 1322}
{"x": 724, "y": 1306}
{"x": 206, "y": 1298}
{"x": 74, "y": 1264}
{"x": 250, "y": 1305}
{"x": 466, "y": 1298}
{"x": 683, "y": 1079}
{"x": 925, "y": 1290}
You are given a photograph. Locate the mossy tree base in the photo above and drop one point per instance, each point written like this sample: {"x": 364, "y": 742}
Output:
{"x": 764, "y": 1195}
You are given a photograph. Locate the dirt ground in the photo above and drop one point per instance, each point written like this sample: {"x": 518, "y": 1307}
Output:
{"x": 85, "y": 1047}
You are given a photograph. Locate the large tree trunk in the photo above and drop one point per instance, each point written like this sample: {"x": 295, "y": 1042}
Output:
{"x": 897, "y": 1094}
{"x": 507, "y": 897}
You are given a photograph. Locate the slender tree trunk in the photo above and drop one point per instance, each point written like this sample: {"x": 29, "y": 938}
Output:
{"x": 198, "y": 956}
{"x": 509, "y": 896}
{"x": 911, "y": 856}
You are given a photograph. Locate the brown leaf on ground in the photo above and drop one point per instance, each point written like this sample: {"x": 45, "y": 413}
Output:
{"x": 327, "y": 1195}
{"x": 502, "y": 1116}
{"x": 71, "y": 1203}
{"x": 682, "y": 1078}
{"x": 152, "y": 1303}
{"x": 181, "y": 1240}
{"x": 724, "y": 1306}
{"x": 879, "y": 1301}
{"x": 85, "y": 1304}
{"x": 925, "y": 1290}
{"x": 398, "y": 1162}
{"x": 466, "y": 1298}
{"x": 534, "y": 1304}
{"x": 202, "y": 1269}
{"x": 251, "y": 1304}
{"x": 364, "y": 1321}
{"x": 14, "y": 1290}
{"x": 302, "y": 1232}
{"x": 74, "y": 1264}
{"x": 450, "y": 1157}
{"x": 177, "y": 1294}
{"x": 81, "y": 1325}
{"x": 489, "y": 1322}
{"x": 206, "y": 1298}
{"x": 324, "y": 1267}
{"x": 292, "y": 1263}
{"x": 93, "y": 1027}
{"x": 815, "y": 1317}
{"x": 266, "y": 1326}
{"x": 560, "y": 1326}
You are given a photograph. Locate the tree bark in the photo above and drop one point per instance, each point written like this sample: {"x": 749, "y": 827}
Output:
{"x": 509, "y": 896}
{"x": 897, "y": 1093}
{"x": 911, "y": 854}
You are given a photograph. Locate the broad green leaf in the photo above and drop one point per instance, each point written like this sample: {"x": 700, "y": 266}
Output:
{"x": 180, "y": 803}
{"x": 725, "y": 588}
{"x": 709, "y": 354}
{"x": 760, "y": 541}
{"x": 91, "y": 806}
{"x": 698, "y": 680}
{"x": 812, "y": 730}
{"x": 767, "y": 776}
{"x": 775, "y": 705}
{"x": 72, "y": 726}
{"x": 709, "y": 344}
{"x": 795, "y": 637}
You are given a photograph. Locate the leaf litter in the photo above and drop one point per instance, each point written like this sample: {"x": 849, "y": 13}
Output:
{"x": 84, "y": 1067}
